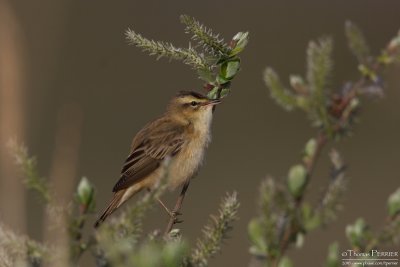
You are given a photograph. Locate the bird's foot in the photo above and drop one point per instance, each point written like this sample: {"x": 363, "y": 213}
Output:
{"x": 175, "y": 215}
{"x": 176, "y": 221}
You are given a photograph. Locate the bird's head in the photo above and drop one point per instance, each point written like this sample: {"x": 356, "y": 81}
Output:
{"x": 191, "y": 105}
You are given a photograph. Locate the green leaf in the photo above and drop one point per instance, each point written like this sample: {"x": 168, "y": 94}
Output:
{"x": 240, "y": 40}
{"x": 332, "y": 260}
{"x": 299, "y": 240}
{"x": 357, "y": 42}
{"x": 218, "y": 92}
{"x": 355, "y": 233}
{"x": 310, "y": 149}
{"x": 393, "y": 203}
{"x": 213, "y": 94}
{"x": 229, "y": 69}
{"x": 85, "y": 193}
{"x": 297, "y": 179}
{"x": 232, "y": 68}
{"x": 205, "y": 75}
{"x": 224, "y": 92}
{"x": 256, "y": 234}
{"x": 281, "y": 95}
{"x": 285, "y": 262}
{"x": 311, "y": 220}
{"x": 221, "y": 79}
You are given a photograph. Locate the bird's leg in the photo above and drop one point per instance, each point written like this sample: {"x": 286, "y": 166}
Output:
{"x": 177, "y": 208}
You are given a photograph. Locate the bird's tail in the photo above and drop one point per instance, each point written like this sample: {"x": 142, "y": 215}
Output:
{"x": 116, "y": 201}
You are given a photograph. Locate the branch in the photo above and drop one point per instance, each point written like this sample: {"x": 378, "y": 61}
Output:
{"x": 160, "y": 49}
{"x": 334, "y": 116}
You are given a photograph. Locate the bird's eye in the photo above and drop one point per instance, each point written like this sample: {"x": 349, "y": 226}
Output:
{"x": 193, "y": 103}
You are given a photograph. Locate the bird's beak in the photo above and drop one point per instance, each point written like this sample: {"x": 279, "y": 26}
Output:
{"x": 212, "y": 102}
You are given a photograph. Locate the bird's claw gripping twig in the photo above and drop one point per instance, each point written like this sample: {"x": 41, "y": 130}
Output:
{"x": 176, "y": 221}
{"x": 176, "y": 213}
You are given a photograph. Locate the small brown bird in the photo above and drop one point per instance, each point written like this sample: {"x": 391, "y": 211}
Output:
{"x": 181, "y": 134}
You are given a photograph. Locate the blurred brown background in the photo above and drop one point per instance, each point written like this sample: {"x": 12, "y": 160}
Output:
{"x": 76, "y": 92}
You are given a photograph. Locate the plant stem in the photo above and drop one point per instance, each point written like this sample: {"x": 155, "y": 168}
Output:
{"x": 322, "y": 140}
{"x": 78, "y": 249}
{"x": 309, "y": 165}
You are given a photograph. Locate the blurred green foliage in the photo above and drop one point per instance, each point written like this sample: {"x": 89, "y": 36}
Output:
{"x": 285, "y": 217}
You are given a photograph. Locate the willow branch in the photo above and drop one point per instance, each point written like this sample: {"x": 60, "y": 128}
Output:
{"x": 322, "y": 140}
{"x": 291, "y": 229}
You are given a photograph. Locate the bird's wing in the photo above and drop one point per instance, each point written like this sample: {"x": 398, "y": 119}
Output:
{"x": 149, "y": 148}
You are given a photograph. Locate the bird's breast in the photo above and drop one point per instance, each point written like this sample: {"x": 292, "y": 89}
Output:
{"x": 186, "y": 163}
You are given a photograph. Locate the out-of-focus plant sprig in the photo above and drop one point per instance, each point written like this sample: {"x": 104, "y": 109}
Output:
{"x": 84, "y": 200}
{"x": 364, "y": 241}
{"x": 217, "y": 62}
{"x": 28, "y": 167}
{"x": 120, "y": 240}
{"x": 215, "y": 232}
{"x": 285, "y": 217}
{"x": 333, "y": 112}
{"x": 18, "y": 250}
{"x": 122, "y": 234}
{"x": 119, "y": 248}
